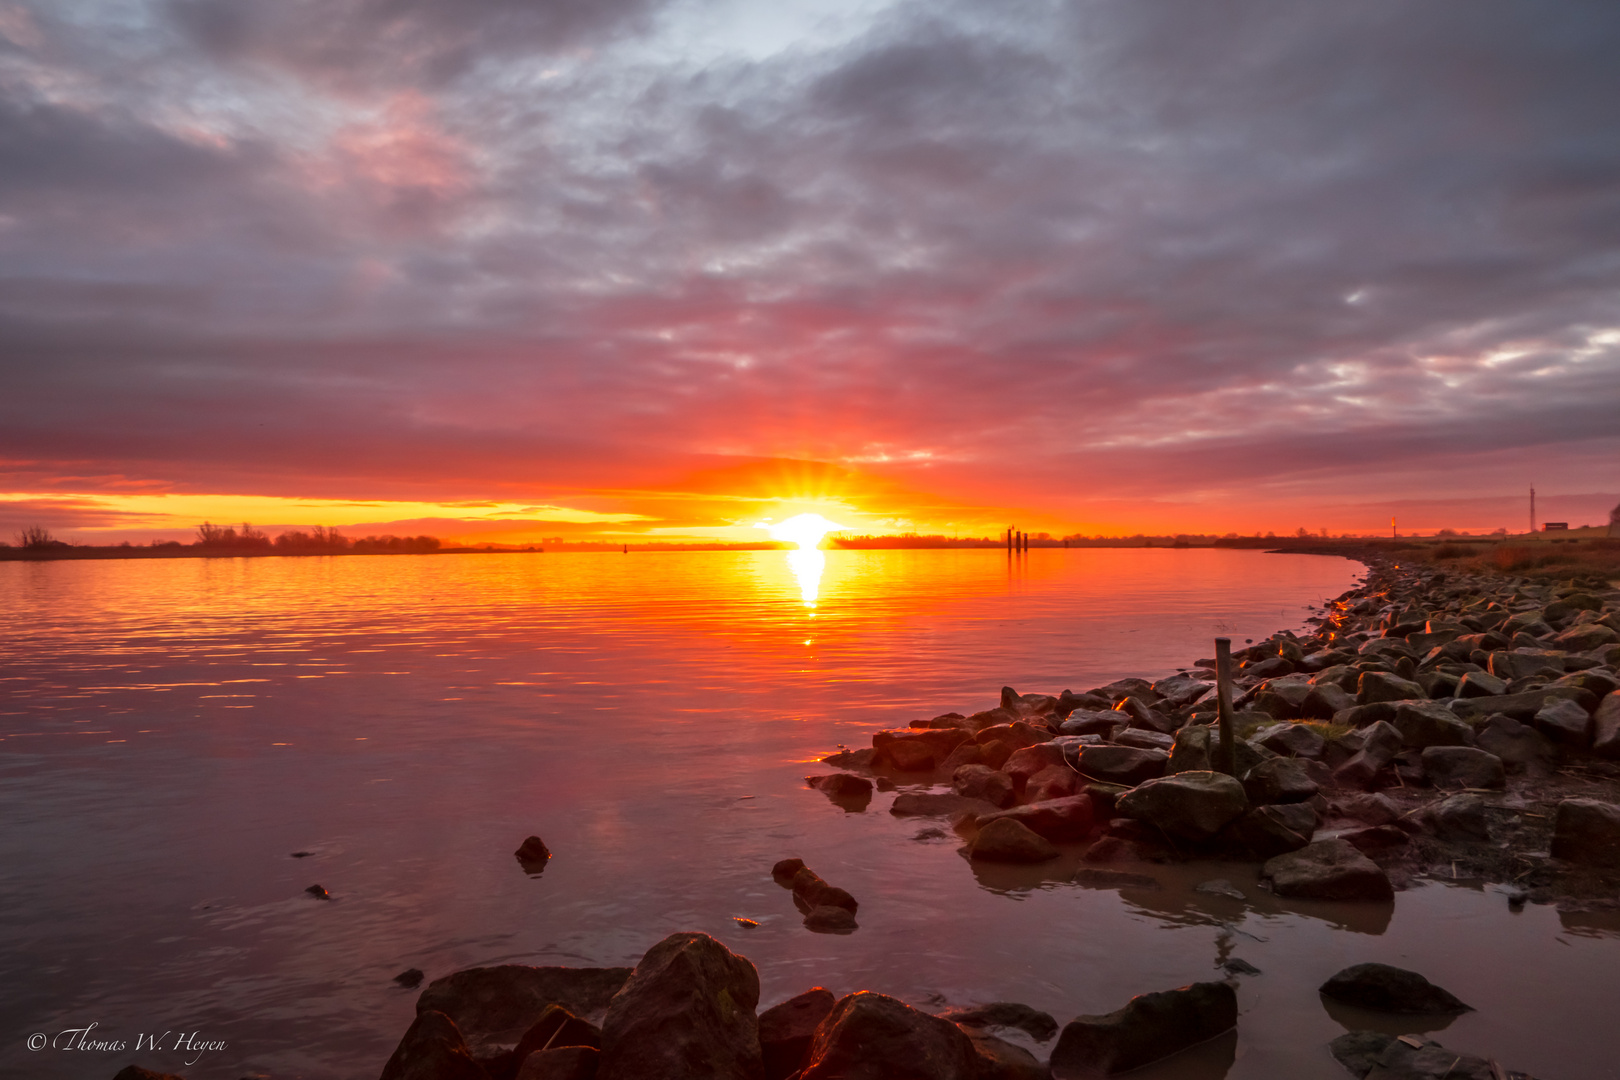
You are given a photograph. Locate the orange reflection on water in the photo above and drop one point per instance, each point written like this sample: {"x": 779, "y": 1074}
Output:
{"x": 807, "y": 565}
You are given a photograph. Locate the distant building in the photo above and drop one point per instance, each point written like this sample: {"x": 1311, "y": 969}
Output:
{"x": 1614, "y": 521}
{"x": 1556, "y": 526}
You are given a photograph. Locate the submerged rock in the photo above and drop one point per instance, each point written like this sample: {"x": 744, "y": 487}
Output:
{"x": 687, "y": 1013}
{"x": 1395, "y": 1057}
{"x": 1383, "y": 988}
{"x": 1327, "y": 870}
{"x": 533, "y": 851}
{"x": 1004, "y": 839}
{"x": 1149, "y": 1027}
{"x": 829, "y": 919}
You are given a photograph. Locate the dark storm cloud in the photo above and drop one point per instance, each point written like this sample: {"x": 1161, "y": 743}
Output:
{"x": 1080, "y": 248}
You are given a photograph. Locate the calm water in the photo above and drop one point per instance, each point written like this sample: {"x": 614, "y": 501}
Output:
{"x": 172, "y": 731}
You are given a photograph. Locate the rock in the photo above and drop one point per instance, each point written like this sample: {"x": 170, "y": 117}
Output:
{"x": 556, "y": 1027}
{"x": 1280, "y": 780}
{"x": 1005, "y": 1014}
{"x": 1144, "y": 740}
{"x": 1054, "y": 782}
{"x": 562, "y": 1063}
{"x": 1518, "y": 745}
{"x": 830, "y": 919}
{"x": 1459, "y": 818}
{"x": 1091, "y": 722}
{"x": 870, "y": 1036}
{"x": 784, "y": 872}
{"x": 917, "y": 750}
{"x": 1327, "y": 870}
{"x": 842, "y": 786}
{"x": 1220, "y": 887}
{"x": 1325, "y": 700}
{"x": 864, "y": 758}
{"x": 1266, "y": 831}
{"x": 494, "y": 1006}
{"x": 1389, "y": 1057}
{"x": 1383, "y": 988}
{"x": 1587, "y": 831}
{"x": 1372, "y": 808}
{"x": 1016, "y": 735}
{"x": 810, "y": 891}
{"x": 1179, "y": 691}
{"x": 533, "y": 851}
{"x": 1188, "y": 806}
{"x": 1150, "y": 1027}
{"x": 1293, "y": 740}
{"x": 1236, "y": 966}
{"x": 1376, "y": 838}
{"x": 432, "y": 1049}
{"x": 1478, "y": 684}
{"x": 1606, "y": 727}
{"x": 1429, "y": 723}
{"x": 1007, "y": 840}
{"x": 1521, "y": 706}
{"x": 980, "y": 782}
{"x": 1463, "y": 767}
{"x": 1379, "y": 745}
{"x": 786, "y": 1030}
{"x": 1190, "y": 751}
{"x": 1002, "y": 1060}
{"x": 1029, "y": 760}
{"x": 319, "y": 892}
{"x": 1523, "y": 663}
{"x": 938, "y": 804}
{"x": 1093, "y": 878}
{"x": 1376, "y": 686}
{"x": 1121, "y": 764}
{"x": 1061, "y": 821}
{"x": 135, "y": 1072}
{"x": 687, "y": 1013}
{"x": 410, "y": 978}
{"x": 1565, "y": 723}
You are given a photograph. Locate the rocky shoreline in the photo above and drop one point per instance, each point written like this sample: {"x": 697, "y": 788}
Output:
{"x": 1434, "y": 726}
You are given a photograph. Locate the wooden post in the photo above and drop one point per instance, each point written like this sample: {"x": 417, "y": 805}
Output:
{"x": 1226, "y": 758}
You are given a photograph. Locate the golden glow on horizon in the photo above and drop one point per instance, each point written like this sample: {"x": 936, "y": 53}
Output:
{"x": 806, "y": 530}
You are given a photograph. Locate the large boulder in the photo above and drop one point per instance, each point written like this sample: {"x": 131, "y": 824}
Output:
{"x": 1121, "y": 764}
{"x": 1459, "y": 819}
{"x": 1376, "y": 686}
{"x": 982, "y": 782}
{"x": 1463, "y": 767}
{"x": 1520, "y": 746}
{"x": 1061, "y": 821}
{"x": 916, "y": 749}
{"x": 687, "y": 1013}
{"x": 493, "y": 1006}
{"x": 1429, "y": 723}
{"x": 1149, "y": 1027}
{"x": 561, "y": 1063}
{"x": 432, "y": 1049}
{"x": 1002, "y": 1060}
{"x": 1383, "y": 988}
{"x": 1587, "y": 831}
{"x": 870, "y": 1036}
{"x": 1606, "y": 727}
{"x": 1007, "y": 840}
{"x": 1279, "y": 780}
{"x": 1187, "y": 806}
{"x": 1327, "y": 870}
{"x": 1190, "y": 752}
{"x": 786, "y": 1031}
{"x": 557, "y": 1027}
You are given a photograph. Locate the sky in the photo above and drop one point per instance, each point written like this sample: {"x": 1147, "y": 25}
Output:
{"x": 514, "y": 269}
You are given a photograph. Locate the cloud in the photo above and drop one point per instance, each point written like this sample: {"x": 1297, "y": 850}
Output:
{"x": 1051, "y": 255}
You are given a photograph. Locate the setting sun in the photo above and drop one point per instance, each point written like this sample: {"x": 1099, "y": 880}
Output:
{"x": 806, "y": 530}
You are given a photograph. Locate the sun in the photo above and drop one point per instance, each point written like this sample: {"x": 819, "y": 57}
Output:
{"x": 806, "y": 530}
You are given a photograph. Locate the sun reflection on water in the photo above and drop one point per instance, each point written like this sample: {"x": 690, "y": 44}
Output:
{"x": 807, "y": 562}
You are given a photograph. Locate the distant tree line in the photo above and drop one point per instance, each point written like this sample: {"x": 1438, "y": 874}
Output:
{"x": 317, "y": 538}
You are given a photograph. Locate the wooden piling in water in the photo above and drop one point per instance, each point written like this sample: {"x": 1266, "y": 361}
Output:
{"x": 1226, "y": 756}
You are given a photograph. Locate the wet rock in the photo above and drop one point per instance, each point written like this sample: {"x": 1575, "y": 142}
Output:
{"x": 1327, "y": 870}
{"x": 1065, "y": 820}
{"x": 1110, "y": 849}
{"x": 870, "y": 1036}
{"x": 1096, "y": 878}
{"x": 1520, "y": 706}
{"x": 810, "y": 891}
{"x": 1144, "y": 740}
{"x": 1026, "y": 762}
{"x": 981, "y": 782}
{"x": 410, "y": 978}
{"x": 533, "y": 851}
{"x": 686, "y": 1012}
{"x": 1236, "y": 966}
{"x": 1002, "y": 1060}
{"x": 1016, "y": 735}
{"x": 1429, "y": 723}
{"x": 1150, "y": 1027}
{"x": 432, "y": 1049}
{"x": 1383, "y": 988}
{"x": 1587, "y": 831}
{"x": 1006, "y": 840}
{"x": 1293, "y": 740}
{"x": 783, "y": 872}
{"x": 1280, "y": 780}
{"x": 494, "y": 1006}
{"x": 1460, "y": 818}
{"x": 1121, "y": 764}
{"x": 1375, "y": 838}
{"x": 1377, "y": 686}
{"x": 1091, "y": 722}
{"x": 1054, "y": 782}
{"x": 864, "y": 758}
{"x": 786, "y": 1030}
{"x": 1520, "y": 746}
{"x": 135, "y": 1072}
{"x": 1267, "y": 831}
{"x": 969, "y": 753}
{"x": 1391, "y": 1057}
{"x": 1564, "y": 722}
{"x": 1005, "y": 1014}
{"x": 1220, "y": 887}
{"x": 830, "y": 919}
{"x": 1463, "y": 767}
{"x": 1478, "y": 684}
{"x": 1188, "y": 806}
{"x": 1606, "y": 727}
{"x": 562, "y": 1063}
{"x": 1190, "y": 751}
{"x": 1179, "y": 691}
{"x": 842, "y": 785}
{"x": 1379, "y": 745}
{"x": 938, "y": 804}
{"x": 1374, "y": 809}
{"x": 556, "y": 1027}
{"x": 319, "y": 892}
